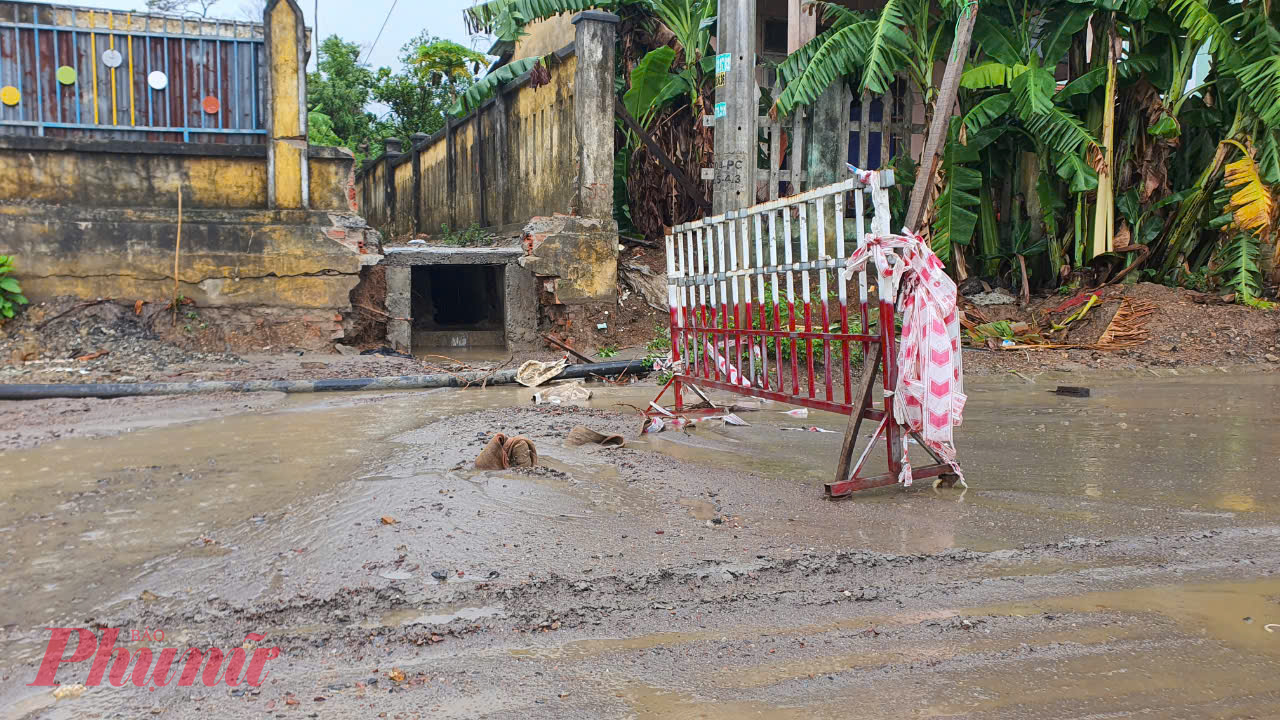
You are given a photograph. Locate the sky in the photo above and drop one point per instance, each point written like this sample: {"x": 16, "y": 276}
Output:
{"x": 356, "y": 21}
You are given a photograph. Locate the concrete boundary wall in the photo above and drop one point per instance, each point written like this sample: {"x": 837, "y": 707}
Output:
{"x": 527, "y": 152}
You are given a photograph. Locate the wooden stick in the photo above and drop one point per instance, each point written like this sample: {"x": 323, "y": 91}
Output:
{"x": 568, "y": 349}
{"x": 661, "y": 156}
{"x": 177, "y": 253}
{"x": 941, "y": 119}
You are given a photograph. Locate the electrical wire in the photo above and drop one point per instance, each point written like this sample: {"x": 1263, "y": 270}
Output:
{"x": 379, "y": 35}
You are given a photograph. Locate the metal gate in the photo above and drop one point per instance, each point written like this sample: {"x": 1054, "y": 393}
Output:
{"x": 102, "y": 74}
{"x": 744, "y": 318}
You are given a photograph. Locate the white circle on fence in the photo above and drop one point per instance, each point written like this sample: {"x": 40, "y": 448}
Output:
{"x": 157, "y": 80}
{"x": 111, "y": 58}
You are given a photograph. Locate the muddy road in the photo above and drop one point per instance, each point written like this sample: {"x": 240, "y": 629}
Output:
{"x": 1114, "y": 556}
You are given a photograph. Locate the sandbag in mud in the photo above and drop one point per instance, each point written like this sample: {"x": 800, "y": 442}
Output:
{"x": 502, "y": 452}
{"x": 583, "y": 435}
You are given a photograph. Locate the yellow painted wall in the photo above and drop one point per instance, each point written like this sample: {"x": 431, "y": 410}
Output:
{"x": 540, "y": 164}
{"x": 545, "y": 36}
{"x": 93, "y": 179}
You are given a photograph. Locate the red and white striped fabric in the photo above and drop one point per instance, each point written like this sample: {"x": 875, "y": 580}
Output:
{"x": 930, "y": 388}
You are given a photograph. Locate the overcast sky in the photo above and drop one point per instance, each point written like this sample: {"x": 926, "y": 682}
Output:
{"x": 357, "y": 22}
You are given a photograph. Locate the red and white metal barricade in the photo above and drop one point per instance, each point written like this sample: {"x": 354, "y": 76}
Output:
{"x": 744, "y": 319}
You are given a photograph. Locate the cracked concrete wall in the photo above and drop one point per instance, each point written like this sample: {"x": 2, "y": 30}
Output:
{"x": 576, "y": 257}
{"x": 100, "y": 219}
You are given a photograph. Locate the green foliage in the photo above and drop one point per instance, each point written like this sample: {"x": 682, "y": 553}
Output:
{"x": 1238, "y": 265}
{"x": 10, "y": 291}
{"x": 649, "y": 78}
{"x": 471, "y": 237}
{"x": 434, "y": 73}
{"x": 485, "y": 87}
{"x": 339, "y": 91}
{"x": 607, "y": 351}
{"x": 320, "y": 129}
{"x": 506, "y": 19}
{"x": 872, "y": 48}
{"x": 956, "y": 211}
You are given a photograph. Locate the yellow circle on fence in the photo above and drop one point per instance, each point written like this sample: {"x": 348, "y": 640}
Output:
{"x": 10, "y": 95}
{"x": 67, "y": 75}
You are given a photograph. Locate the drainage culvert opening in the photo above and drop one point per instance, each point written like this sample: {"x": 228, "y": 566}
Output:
{"x": 457, "y": 297}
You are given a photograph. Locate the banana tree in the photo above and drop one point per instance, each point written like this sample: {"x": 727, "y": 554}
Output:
{"x": 870, "y": 48}
{"x": 1244, "y": 42}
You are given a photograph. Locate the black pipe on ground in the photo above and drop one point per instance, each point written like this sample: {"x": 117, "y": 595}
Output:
{"x": 403, "y": 382}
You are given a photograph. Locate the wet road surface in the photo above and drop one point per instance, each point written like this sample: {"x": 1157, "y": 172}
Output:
{"x": 1114, "y": 556}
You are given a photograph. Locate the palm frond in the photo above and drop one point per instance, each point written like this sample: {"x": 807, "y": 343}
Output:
{"x": 1060, "y": 130}
{"x": 1202, "y": 24}
{"x": 485, "y": 87}
{"x": 1260, "y": 83}
{"x": 988, "y": 75}
{"x": 988, "y": 111}
{"x": 838, "y": 17}
{"x": 956, "y": 213}
{"x": 841, "y": 53}
{"x": 1034, "y": 91}
{"x": 888, "y": 44}
{"x": 1238, "y": 265}
{"x": 1250, "y": 205}
{"x": 1083, "y": 85}
{"x": 506, "y": 19}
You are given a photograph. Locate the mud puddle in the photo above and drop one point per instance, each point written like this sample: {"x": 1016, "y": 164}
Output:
{"x": 330, "y": 517}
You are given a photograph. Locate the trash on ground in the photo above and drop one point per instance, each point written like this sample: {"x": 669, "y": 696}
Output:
{"x": 504, "y": 452}
{"x": 1072, "y": 391}
{"x": 798, "y": 412}
{"x": 583, "y": 435}
{"x": 811, "y": 428}
{"x": 652, "y": 425}
{"x": 534, "y": 372}
{"x": 995, "y": 297}
{"x": 573, "y": 393}
{"x": 66, "y": 692}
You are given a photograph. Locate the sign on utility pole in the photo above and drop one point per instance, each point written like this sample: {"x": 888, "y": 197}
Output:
{"x": 737, "y": 103}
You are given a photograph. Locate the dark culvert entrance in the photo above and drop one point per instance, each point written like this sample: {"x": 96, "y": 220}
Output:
{"x": 457, "y": 306}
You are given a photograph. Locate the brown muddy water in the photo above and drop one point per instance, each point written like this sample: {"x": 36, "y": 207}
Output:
{"x": 1113, "y": 556}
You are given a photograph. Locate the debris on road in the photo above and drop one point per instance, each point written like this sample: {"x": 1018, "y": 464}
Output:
{"x": 535, "y": 372}
{"x": 1072, "y": 391}
{"x": 573, "y": 393}
{"x": 583, "y": 435}
{"x": 504, "y": 452}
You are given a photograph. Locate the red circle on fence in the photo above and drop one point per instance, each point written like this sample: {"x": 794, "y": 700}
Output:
{"x": 211, "y": 104}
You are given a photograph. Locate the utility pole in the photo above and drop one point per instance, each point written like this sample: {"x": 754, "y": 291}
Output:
{"x": 736, "y": 107}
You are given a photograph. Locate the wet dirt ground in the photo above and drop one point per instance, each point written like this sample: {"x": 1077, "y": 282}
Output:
{"x": 1114, "y": 556}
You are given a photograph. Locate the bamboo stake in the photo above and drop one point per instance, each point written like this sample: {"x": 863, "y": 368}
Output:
{"x": 177, "y": 253}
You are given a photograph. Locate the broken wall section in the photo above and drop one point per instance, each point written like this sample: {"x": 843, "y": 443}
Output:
{"x": 534, "y": 163}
